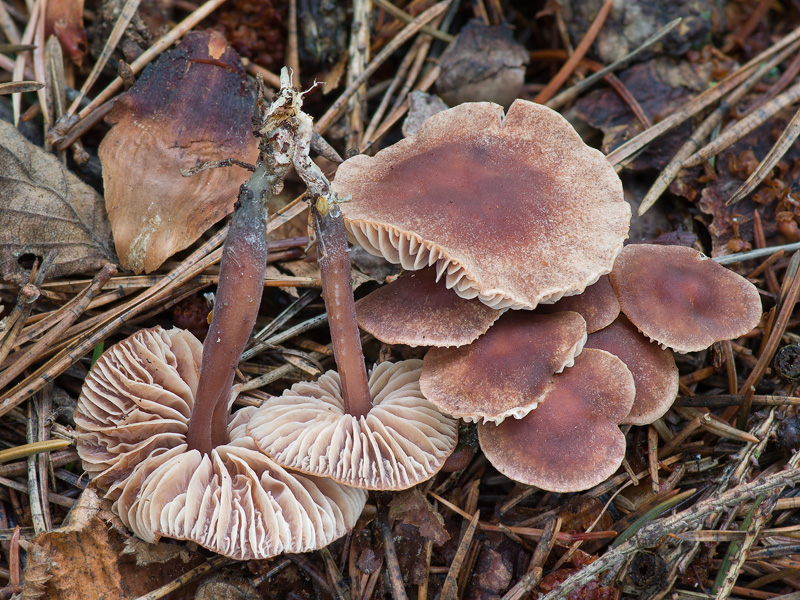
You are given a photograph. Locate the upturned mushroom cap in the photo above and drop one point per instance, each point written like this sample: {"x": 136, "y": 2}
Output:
{"x": 402, "y": 441}
{"x": 515, "y": 210}
{"x": 653, "y": 368}
{"x": 597, "y": 304}
{"x": 190, "y": 107}
{"x": 507, "y": 371}
{"x": 681, "y": 299}
{"x": 132, "y": 420}
{"x": 417, "y": 311}
{"x": 571, "y": 442}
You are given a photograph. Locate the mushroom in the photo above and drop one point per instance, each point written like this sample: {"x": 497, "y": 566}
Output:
{"x": 571, "y": 442}
{"x": 375, "y": 432}
{"x": 133, "y": 415}
{"x": 193, "y": 106}
{"x": 597, "y": 304}
{"x": 681, "y": 299}
{"x": 153, "y": 415}
{"x": 507, "y": 371}
{"x": 416, "y": 311}
{"x": 512, "y": 209}
{"x": 653, "y": 368}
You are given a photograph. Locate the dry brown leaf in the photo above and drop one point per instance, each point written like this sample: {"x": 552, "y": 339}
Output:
{"x": 46, "y": 208}
{"x": 88, "y": 558}
{"x": 411, "y": 507}
{"x": 65, "y": 19}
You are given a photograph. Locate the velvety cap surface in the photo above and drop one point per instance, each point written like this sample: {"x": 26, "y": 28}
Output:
{"x": 507, "y": 370}
{"x": 132, "y": 419}
{"x": 417, "y": 311}
{"x": 653, "y": 368}
{"x": 681, "y": 299}
{"x": 402, "y": 441}
{"x": 571, "y": 442}
{"x": 597, "y": 304}
{"x": 514, "y": 209}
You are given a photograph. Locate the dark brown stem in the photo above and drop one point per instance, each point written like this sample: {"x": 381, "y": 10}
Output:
{"x": 241, "y": 283}
{"x": 334, "y": 264}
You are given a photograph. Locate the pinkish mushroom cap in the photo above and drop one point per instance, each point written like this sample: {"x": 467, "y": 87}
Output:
{"x": 507, "y": 371}
{"x": 571, "y": 442}
{"x": 653, "y": 368}
{"x": 597, "y": 304}
{"x": 403, "y": 440}
{"x": 132, "y": 419}
{"x": 513, "y": 209}
{"x": 417, "y": 311}
{"x": 680, "y": 298}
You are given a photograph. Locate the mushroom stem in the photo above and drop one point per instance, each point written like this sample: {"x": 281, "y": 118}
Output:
{"x": 336, "y": 274}
{"x": 241, "y": 282}
{"x": 334, "y": 264}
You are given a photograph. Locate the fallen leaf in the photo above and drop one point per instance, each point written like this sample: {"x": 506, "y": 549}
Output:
{"x": 91, "y": 556}
{"x": 411, "y": 507}
{"x": 193, "y": 106}
{"x": 46, "y": 208}
{"x": 64, "y": 18}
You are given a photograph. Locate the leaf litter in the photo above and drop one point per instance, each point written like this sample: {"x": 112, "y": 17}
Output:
{"x": 699, "y": 509}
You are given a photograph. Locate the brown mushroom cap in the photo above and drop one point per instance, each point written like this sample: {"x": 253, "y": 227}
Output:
{"x": 190, "y": 107}
{"x": 402, "y": 441}
{"x": 513, "y": 209}
{"x": 653, "y": 368}
{"x": 571, "y": 442}
{"x": 132, "y": 420}
{"x": 681, "y": 299}
{"x": 417, "y": 311}
{"x": 597, "y": 304}
{"x": 505, "y": 372}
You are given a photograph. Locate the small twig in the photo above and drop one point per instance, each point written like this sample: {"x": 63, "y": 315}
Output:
{"x": 407, "y": 18}
{"x": 568, "y": 67}
{"x": 292, "y": 46}
{"x": 212, "y": 564}
{"x": 401, "y": 38}
{"x": 392, "y": 565}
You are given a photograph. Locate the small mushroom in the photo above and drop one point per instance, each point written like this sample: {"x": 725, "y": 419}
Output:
{"x": 512, "y": 209}
{"x": 417, "y": 311}
{"x": 507, "y": 371}
{"x": 653, "y": 368}
{"x": 133, "y": 415}
{"x": 681, "y": 299}
{"x": 597, "y": 304}
{"x": 571, "y": 442}
{"x": 192, "y": 106}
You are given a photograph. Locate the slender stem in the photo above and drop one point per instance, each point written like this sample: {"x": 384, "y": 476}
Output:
{"x": 241, "y": 283}
{"x": 334, "y": 265}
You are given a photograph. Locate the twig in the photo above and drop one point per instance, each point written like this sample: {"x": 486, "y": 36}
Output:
{"x": 212, "y": 564}
{"x": 401, "y": 38}
{"x": 407, "y": 18}
{"x": 392, "y": 565}
{"x": 568, "y": 67}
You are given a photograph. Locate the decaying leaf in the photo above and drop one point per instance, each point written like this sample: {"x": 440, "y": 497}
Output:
{"x": 194, "y": 105}
{"x": 88, "y": 558}
{"x": 411, "y": 507}
{"x": 46, "y": 208}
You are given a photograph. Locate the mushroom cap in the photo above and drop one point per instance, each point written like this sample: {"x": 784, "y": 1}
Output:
{"x": 402, "y": 441}
{"x": 132, "y": 418}
{"x": 597, "y": 304}
{"x": 507, "y": 371}
{"x": 190, "y": 107}
{"x": 680, "y": 298}
{"x": 417, "y": 311}
{"x": 653, "y": 368}
{"x": 513, "y": 209}
{"x": 571, "y": 442}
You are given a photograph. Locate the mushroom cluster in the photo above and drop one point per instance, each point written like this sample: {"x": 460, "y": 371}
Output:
{"x": 489, "y": 213}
